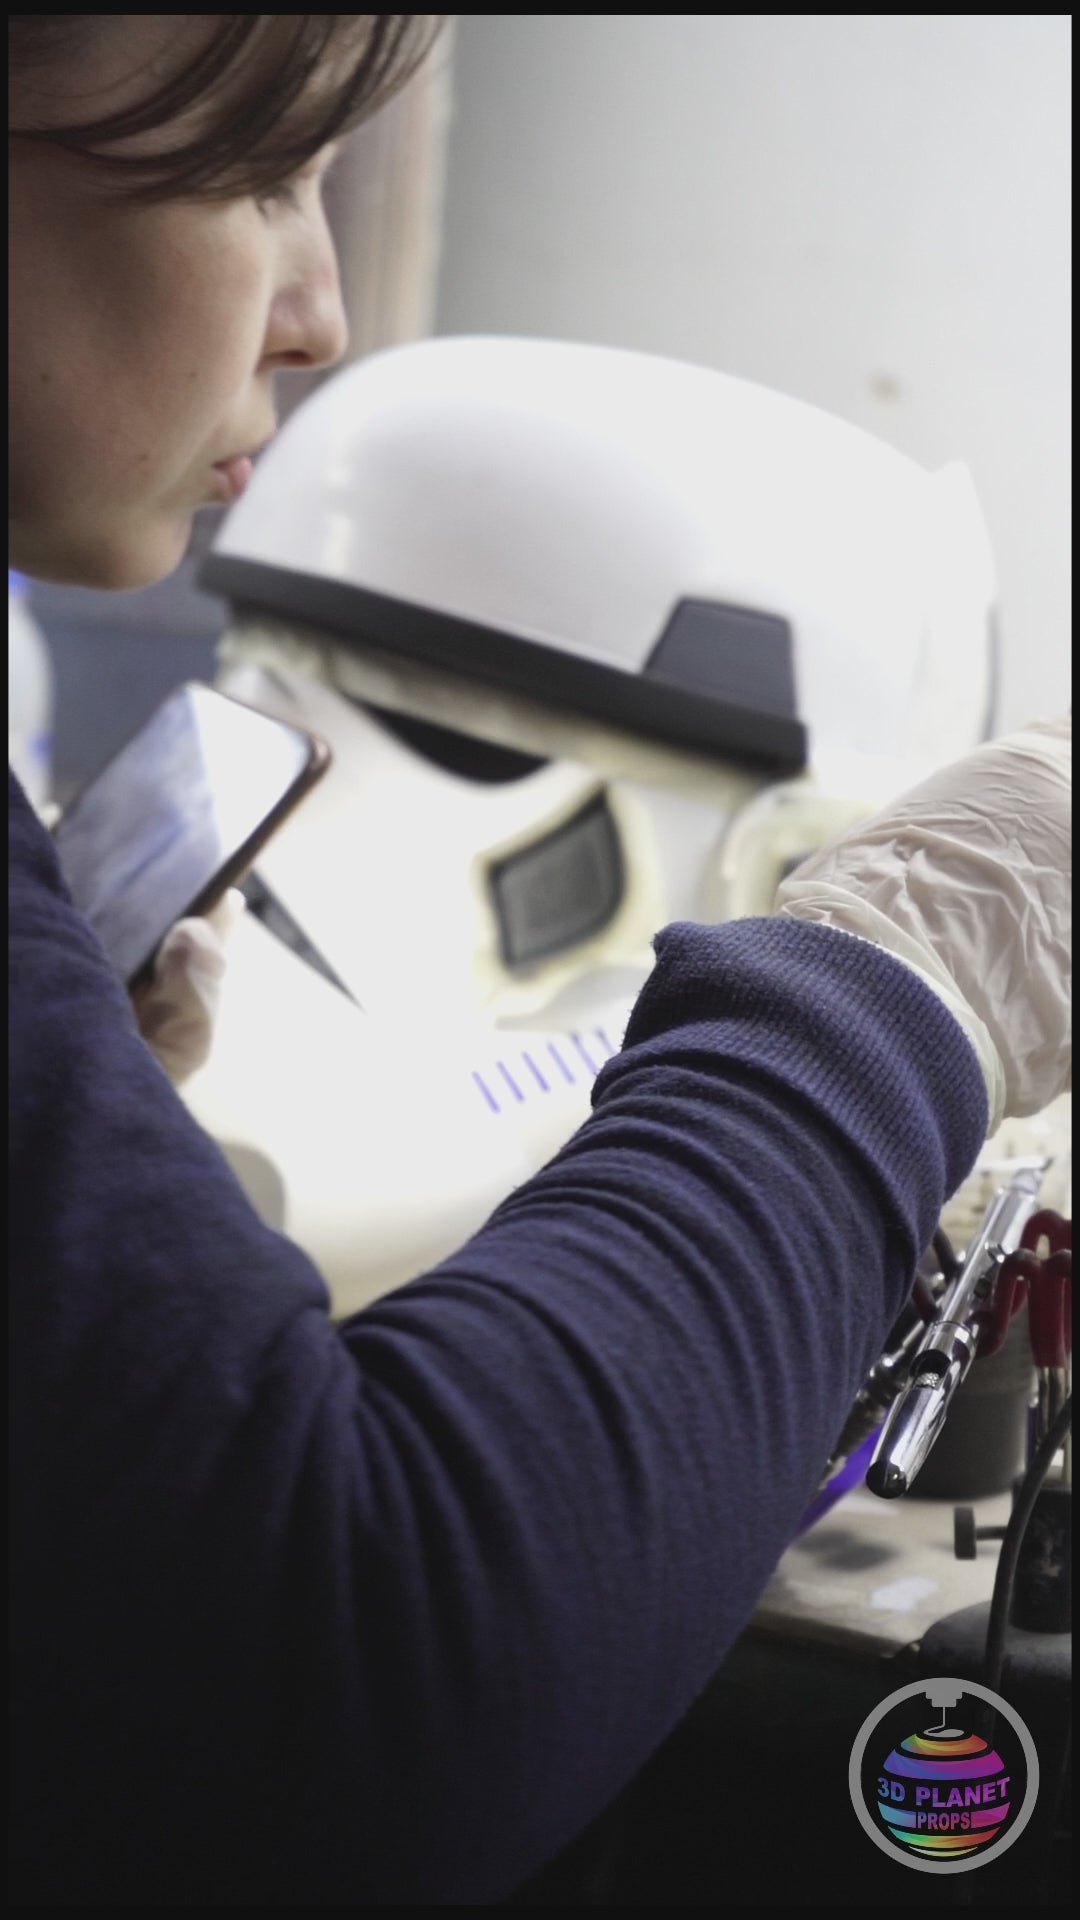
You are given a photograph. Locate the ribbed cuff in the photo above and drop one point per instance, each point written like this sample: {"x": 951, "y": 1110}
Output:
{"x": 835, "y": 1021}
{"x": 827, "y": 905}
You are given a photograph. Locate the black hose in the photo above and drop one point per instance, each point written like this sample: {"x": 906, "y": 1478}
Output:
{"x": 1009, "y": 1560}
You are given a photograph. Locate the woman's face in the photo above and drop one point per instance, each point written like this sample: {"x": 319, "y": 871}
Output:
{"x": 144, "y": 340}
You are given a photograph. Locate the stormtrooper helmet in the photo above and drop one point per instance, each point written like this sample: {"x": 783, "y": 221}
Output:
{"x": 599, "y": 641}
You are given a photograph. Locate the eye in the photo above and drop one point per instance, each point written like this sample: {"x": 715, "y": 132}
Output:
{"x": 283, "y": 195}
{"x": 287, "y": 192}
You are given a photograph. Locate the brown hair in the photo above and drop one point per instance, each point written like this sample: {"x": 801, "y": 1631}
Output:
{"x": 257, "y": 69}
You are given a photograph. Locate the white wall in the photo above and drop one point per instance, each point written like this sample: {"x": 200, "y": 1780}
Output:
{"x": 868, "y": 211}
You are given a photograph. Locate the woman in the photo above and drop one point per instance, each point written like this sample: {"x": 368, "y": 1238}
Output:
{"x": 389, "y": 1612}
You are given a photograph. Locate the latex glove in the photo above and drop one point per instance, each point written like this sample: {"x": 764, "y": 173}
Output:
{"x": 967, "y": 879}
{"x": 177, "y": 1008}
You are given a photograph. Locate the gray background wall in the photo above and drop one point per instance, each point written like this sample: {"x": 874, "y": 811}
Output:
{"x": 868, "y": 211}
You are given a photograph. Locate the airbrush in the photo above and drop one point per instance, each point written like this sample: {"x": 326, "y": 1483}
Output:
{"x": 909, "y": 1391}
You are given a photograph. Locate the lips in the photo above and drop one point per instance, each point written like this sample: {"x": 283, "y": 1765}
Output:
{"x": 237, "y": 470}
{"x": 235, "y": 473}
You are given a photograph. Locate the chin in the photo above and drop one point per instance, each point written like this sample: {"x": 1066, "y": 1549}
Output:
{"x": 105, "y": 561}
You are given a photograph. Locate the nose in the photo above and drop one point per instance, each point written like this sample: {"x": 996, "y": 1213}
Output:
{"x": 308, "y": 326}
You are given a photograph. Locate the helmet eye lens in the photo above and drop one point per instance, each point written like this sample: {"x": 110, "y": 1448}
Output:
{"x": 560, "y": 890}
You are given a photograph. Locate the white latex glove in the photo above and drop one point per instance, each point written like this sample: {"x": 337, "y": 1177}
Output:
{"x": 176, "y": 1010}
{"x": 967, "y": 880}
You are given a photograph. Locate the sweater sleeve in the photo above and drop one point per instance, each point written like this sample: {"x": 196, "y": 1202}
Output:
{"x": 389, "y": 1611}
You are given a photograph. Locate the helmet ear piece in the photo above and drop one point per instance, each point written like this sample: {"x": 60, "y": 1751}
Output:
{"x": 768, "y": 839}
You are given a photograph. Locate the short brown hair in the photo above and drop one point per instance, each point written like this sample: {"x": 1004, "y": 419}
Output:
{"x": 260, "y": 66}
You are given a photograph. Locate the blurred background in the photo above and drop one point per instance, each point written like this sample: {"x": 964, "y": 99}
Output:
{"x": 869, "y": 212}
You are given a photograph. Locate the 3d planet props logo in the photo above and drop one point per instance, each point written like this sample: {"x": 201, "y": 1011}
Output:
{"x": 930, "y": 1789}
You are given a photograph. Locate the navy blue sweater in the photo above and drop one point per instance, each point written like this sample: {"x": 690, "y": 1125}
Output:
{"x": 389, "y": 1611}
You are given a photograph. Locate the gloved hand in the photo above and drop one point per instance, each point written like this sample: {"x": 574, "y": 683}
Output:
{"x": 966, "y": 878}
{"x": 177, "y": 1008}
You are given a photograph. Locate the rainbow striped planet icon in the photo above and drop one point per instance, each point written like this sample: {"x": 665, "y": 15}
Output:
{"x": 944, "y": 1793}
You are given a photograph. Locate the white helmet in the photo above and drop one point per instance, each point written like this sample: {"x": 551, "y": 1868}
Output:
{"x": 621, "y": 639}
{"x": 598, "y": 641}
